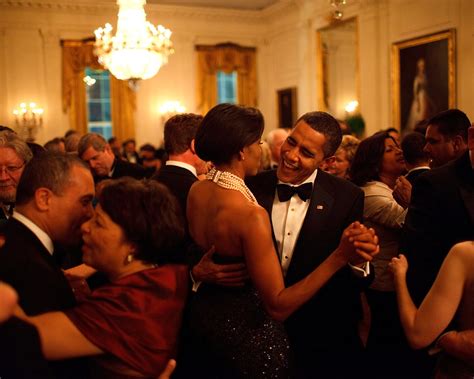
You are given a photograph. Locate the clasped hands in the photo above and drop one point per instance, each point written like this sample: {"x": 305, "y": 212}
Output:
{"x": 358, "y": 245}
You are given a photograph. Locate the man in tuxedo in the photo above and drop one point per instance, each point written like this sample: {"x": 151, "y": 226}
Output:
{"x": 446, "y": 137}
{"x": 183, "y": 165}
{"x": 441, "y": 213}
{"x": 97, "y": 153}
{"x": 416, "y": 160}
{"x": 14, "y": 154}
{"x": 53, "y": 200}
{"x": 309, "y": 210}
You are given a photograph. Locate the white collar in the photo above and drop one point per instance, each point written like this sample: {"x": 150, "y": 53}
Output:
{"x": 309, "y": 179}
{"x": 36, "y": 230}
{"x": 186, "y": 166}
{"x": 419, "y": 168}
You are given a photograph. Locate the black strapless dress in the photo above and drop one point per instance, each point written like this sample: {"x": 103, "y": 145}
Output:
{"x": 233, "y": 335}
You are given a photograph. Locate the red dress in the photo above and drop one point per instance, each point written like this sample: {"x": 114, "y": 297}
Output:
{"x": 135, "y": 320}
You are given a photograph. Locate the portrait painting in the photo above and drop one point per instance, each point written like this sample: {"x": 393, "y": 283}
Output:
{"x": 286, "y": 99}
{"x": 423, "y": 78}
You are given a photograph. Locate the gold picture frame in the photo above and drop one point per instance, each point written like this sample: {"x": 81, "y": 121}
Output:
{"x": 423, "y": 78}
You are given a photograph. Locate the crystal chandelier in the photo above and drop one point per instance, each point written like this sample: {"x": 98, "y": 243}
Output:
{"x": 138, "y": 49}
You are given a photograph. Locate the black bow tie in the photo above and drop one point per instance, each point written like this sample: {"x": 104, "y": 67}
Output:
{"x": 285, "y": 192}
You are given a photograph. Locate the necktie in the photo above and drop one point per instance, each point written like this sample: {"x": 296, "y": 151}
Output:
{"x": 285, "y": 192}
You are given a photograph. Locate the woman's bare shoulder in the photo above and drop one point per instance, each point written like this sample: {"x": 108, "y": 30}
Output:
{"x": 463, "y": 251}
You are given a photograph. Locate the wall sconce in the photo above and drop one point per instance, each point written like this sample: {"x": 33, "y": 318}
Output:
{"x": 351, "y": 106}
{"x": 170, "y": 108}
{"x": 28, "y": 119}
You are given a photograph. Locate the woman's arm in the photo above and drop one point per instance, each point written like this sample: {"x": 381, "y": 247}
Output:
{"x": 265, "y": 270}
{"x": 423, "y": 325}
{"x": 60, "y": 339}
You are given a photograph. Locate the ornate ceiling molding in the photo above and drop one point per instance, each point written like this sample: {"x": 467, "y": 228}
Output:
{"x": 90, "y": 7}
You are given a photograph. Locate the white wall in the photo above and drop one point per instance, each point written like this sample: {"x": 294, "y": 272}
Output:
{"x": 284, "y": 35}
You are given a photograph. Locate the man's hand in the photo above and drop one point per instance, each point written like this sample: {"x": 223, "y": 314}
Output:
{"x": 358, "y": 244}
{"x": 231, "y": 275}
{"x": 402, "y": 192}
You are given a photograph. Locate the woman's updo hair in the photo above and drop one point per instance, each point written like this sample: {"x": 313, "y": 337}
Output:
{"x": 149, "y": 216}
{"x": 225, "y": 130}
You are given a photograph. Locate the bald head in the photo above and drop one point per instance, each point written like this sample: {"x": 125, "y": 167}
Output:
{"x": 275, "y": 139}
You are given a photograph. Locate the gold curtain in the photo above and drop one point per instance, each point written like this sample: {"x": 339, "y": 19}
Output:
{"x": 228, "y": 58}
{"x": 76, "y": 56}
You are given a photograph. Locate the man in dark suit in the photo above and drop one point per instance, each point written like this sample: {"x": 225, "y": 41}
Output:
{"x": 307, "y": 226}
{"x": 416, "y": 160}
{"x": 53, "y": 200}
{"x": 446, "y": 137}
{"x": 441, "y": 211}
{"x": 183, "y": 165}
{"x": 97, "y": 153}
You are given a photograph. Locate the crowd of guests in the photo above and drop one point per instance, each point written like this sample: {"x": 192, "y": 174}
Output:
{"x": 310, "y": 254}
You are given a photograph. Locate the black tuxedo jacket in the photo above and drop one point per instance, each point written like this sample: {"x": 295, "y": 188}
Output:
{"x": 327, "y": 324}
{"x": 179, "y": 182}
{"x": 413, "y": 175}
{"x": 441, "y": 213}
{"x": 28, "y": 267}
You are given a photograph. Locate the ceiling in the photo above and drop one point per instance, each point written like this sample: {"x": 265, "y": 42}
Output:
{"x": 229, "y": 4}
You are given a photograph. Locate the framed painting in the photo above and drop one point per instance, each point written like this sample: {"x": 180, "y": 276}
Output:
{"x": 286, "y": 100}
{"x": 423, "y": 78}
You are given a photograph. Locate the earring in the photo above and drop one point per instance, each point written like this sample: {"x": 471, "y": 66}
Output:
{"x": 129, "y": 258}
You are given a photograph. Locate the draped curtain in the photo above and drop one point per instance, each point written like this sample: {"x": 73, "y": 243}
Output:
{"x": 228, "y": 58}
{"x": 76, "y": 56}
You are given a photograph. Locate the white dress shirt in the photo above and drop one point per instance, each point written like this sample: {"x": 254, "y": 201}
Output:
{"x": 287, "y": 219}
{"x": 36, "y": 230}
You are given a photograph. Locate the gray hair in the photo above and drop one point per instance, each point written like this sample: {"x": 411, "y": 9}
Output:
{"x": 11, "y": 140}
{"x": 95, "y": 140}
{"x": 274, "y": 133}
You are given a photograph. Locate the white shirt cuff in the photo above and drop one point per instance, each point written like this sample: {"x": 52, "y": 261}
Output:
{"x": 361, "y": 272}
{"x": 195, "y": 283}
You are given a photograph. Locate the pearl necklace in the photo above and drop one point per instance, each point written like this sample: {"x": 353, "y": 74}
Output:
{"x": 227, "y": 180}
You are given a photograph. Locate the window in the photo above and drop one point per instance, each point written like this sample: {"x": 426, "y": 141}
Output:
{"x": 98, "y": 102}
{"x": 226, "y": 87}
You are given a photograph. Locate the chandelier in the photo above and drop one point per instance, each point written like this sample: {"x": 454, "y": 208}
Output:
{"x": 138, "y": 49}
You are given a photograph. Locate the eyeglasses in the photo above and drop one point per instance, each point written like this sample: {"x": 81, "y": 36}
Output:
{"x": 10, "y": 169}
